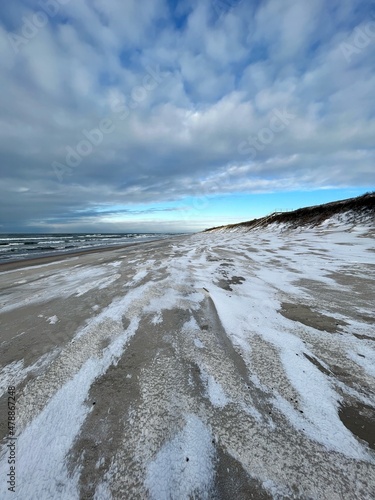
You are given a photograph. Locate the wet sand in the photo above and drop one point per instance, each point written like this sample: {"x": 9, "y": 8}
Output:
{"x": 210, "y": 366}
{"x": 60, "y": 256}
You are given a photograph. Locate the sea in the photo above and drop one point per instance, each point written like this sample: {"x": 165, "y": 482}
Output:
{"x": 15, "y": 247}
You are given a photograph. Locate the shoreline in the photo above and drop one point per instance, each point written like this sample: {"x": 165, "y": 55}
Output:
{"x": 51, "y": 258}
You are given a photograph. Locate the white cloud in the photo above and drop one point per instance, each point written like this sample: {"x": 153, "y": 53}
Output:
{"x": 218, "y": 81}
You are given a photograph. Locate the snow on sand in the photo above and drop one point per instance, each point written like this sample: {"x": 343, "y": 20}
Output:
{"x": 220, "y": 363}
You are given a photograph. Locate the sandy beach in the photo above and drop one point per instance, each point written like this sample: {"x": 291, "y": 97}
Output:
{"x": 229, "y": 364}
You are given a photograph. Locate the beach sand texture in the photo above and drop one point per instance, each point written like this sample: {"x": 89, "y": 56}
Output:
{"x": 221, "y": 365}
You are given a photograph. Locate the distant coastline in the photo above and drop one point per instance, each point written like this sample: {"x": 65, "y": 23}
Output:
{"x": 25, "y": 247}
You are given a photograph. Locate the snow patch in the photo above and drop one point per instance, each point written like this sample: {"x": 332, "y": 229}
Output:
{"x": 198, "y": 344}
{"x": 103, "y": 492}
{"x": 215, "y": 392}
{"x": 184, "y": 466}
{"x": 55, "y": 429}
{"x": 15, "y": 373}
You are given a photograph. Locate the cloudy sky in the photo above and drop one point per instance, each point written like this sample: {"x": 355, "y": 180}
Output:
{"x": 168, "y": 115}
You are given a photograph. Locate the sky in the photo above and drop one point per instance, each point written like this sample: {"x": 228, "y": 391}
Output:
{"x": 176, "y": 116}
